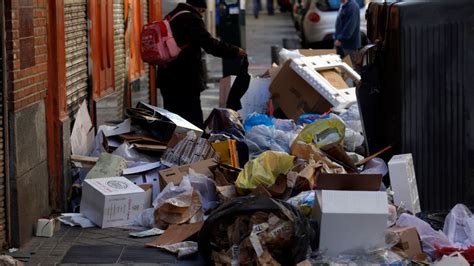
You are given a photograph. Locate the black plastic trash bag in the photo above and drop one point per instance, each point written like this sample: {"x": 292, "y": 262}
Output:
{"x": 222, "y": 119}
{"x": 157, "y": 125}
{"x": 240, "y": 214}
{"x": 239, "y": 87}
{"x": 227, "y": 122}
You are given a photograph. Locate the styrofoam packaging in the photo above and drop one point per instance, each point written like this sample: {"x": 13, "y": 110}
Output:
{"x": 111, "y": 201}
{"x": 351, "y": 220}
{"x": 403, "y": 182}
{"x": 307, "y": 68}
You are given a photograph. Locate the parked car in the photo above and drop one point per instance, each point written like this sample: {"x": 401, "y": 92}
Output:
{"x": 319, "y": 23}
{"x": 300, "y": 7}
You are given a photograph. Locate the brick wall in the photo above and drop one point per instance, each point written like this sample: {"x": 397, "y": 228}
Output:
{"x": 27, "y": 82}
{"x": 26, "y": 39}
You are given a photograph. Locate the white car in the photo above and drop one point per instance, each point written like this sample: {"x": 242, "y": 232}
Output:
{"x": 299, "y": 10}
{"x": 319, "y": 23}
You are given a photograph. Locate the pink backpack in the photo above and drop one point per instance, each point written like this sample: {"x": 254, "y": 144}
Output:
{"x": 157, "y": 44}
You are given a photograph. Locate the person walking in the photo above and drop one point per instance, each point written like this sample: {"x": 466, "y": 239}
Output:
{"x": 257, "y": 7}
{"x": 347, "y": 36}
{"x": 182, "y": 80}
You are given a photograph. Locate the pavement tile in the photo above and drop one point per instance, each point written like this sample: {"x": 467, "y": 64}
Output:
{"x": 118, "y": 241}
{"x": 58, "y": 253}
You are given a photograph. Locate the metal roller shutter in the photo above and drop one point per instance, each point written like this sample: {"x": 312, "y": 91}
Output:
{"x": 2, "y": 153}
{"x": 119, "y": 53}
{"x": 75, "y": 29}
{"x": 145, "y": 84}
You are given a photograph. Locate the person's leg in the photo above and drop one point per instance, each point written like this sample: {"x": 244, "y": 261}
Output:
{"x": 352, "y": 54}
{"x": 340, "y": 51}
{"x": 185, "y": 105}
{"x": 256, "y": 8}
{"x": 270, "y": 7}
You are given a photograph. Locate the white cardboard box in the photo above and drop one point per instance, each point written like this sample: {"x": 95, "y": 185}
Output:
{"x": 350, "y": 220}
{"x": 111, "y": 201}
{"x": 403, "y": 182}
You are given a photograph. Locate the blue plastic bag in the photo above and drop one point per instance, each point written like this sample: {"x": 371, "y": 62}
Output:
{"x": 256, "y": 120}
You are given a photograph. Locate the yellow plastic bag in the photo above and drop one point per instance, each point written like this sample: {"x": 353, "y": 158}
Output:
{"x": 323, "y": 132}
{"x": 263, "y": 170}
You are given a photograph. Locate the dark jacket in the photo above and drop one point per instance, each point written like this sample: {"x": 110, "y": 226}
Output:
{"x": 186, "y": 72}
{"x": 348, "y": 26}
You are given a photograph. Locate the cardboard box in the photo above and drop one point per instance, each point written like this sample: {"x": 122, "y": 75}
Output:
{"x": 409, "y": 245}
{"x": 350, "y": 220}
{"x": 403, "y": 182}
{"x": 361, "y": 182}
{"x": 310, "y": 68}
{"x": 294, "y": 95}
{"x": 335, "y": 78}
{"x": 182, "y": 125}
{"x": 316, "y": 52}
{"x": 176, "y": 174}
{"x": 111, "y": 201}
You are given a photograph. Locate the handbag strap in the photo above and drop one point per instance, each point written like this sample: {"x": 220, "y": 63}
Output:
{"x": 169, "y": 18}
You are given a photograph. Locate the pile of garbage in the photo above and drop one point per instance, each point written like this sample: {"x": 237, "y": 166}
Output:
{"x": 283, "y": 180}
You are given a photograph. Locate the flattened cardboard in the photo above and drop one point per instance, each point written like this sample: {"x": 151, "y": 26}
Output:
{"x": 176, "y": 233}
{"x": 362, "y": 182}
{"x": 150, "y": 147}
{"x": 176, "y": 174}
{"x": 294, "y": 95}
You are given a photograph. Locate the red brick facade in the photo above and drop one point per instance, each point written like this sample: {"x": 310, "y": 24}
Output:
{"x": 27, "y": 52}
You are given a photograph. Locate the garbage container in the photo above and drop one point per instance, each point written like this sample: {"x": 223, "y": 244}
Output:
{"x": 232, "y": 30}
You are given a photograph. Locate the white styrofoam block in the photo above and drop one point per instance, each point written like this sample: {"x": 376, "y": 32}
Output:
{"x": 111, "y": 201}
{"x": 403, "y": 182}
{"x": 351, "y": 220}
{"x": 307, "y": 68}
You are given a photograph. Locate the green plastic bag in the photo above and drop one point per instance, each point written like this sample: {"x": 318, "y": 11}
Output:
{"x": 323, "y": 132}
{"x": 264, "y": 170}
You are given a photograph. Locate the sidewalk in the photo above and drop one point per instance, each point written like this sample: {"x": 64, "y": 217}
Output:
{"x": 75, "y": 246}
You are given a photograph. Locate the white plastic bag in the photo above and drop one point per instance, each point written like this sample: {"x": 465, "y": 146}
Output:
{"x": 354, "y": 132}
{"x": 429, "y": 237}
{"x": 180, "y": 196}
{"x": 459, "y": 226}
{"x": 376, "y": 166}
{"x": 256, "y": 98}
{"x": 262, "y": 138}
{"x": 205, "y": 187}
{"x": 146, "y": 218}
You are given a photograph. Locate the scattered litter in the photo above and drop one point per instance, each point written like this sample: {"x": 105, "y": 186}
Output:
{"x": 76, "y": 219}
{"x": 147, "y": 233}
{"x": 182, "y": 249}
